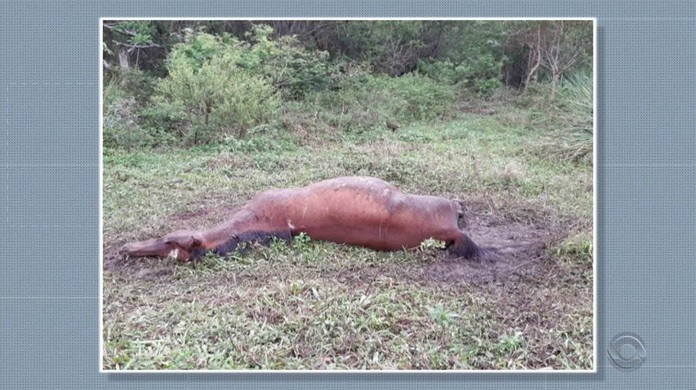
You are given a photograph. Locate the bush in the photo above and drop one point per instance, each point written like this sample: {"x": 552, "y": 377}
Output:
{"x": 132, "y": 82}
{"x": 481, "y": 78}
{"x": 472, "y": 57}
{"x": 207, "y": 95}
{"x": 417, "y": 97}
{"x": 293, "y": 70}
{"x": 364, "y": 102}
{"x": 121, "y": 121}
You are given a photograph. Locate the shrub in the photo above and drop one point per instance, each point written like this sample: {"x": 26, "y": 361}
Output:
{"x": 293, "y": 70}
{"x": 481, "y": 77}
{"x": 417, "y": 97}
{"x": 132, "y": 82}
{"x": 207, "y": 95}
{"x": 121, "y": 121}
{"x": 366, "y": 101}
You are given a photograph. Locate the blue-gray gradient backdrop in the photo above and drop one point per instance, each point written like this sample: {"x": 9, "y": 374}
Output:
{"x": 49, "y": 175}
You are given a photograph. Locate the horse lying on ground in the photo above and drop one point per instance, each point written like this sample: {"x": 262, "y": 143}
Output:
{"x": 362, "y": 211}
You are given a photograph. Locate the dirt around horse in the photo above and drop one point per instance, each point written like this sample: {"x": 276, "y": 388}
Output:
{"x": 362, "y": 211}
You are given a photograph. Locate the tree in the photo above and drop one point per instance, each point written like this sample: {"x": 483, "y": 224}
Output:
{"x": 567, "y": 43}
{"x": 129, "y": 39}
{"x": 556, "y": 46}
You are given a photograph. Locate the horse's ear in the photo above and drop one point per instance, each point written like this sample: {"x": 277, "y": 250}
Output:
{"x": 185, "y": 239}
{"x": 192, "y": 240}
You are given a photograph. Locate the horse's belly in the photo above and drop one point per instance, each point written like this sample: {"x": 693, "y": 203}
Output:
{"x": 379, "y": 238}
{"x": 378, "y": 218}
{"x": 373, "y": 228}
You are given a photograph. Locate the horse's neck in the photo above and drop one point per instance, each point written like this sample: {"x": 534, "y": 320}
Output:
{"x": 239, "y": 222}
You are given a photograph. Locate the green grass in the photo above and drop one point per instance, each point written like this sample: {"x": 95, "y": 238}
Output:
{"x": 316, "y": 305}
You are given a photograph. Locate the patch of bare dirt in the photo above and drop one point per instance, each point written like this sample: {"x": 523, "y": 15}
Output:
{"x": 516, "y": 252}
{"x": 512, "y": 249}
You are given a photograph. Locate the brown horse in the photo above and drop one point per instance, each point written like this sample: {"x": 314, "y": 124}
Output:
{"x": 350, "y": 210}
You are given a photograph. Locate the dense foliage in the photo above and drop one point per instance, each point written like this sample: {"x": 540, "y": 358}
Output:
{"x": 192, "y": 82}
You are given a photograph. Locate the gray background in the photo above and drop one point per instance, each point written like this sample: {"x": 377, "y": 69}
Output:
{"x": 49, "y": 173}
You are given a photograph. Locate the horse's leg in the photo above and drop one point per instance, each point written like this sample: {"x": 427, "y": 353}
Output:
{"x": 463, "y": 246}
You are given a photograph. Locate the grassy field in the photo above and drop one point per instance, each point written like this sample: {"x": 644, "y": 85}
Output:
{"x": 317, "y": 305}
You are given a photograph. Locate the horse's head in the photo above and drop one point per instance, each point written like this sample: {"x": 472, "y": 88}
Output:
{"x": 180, "y": 244}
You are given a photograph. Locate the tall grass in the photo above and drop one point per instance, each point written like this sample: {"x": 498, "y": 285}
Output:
{"x": 566, "y": 122}
{"x": 578, "y": 98}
